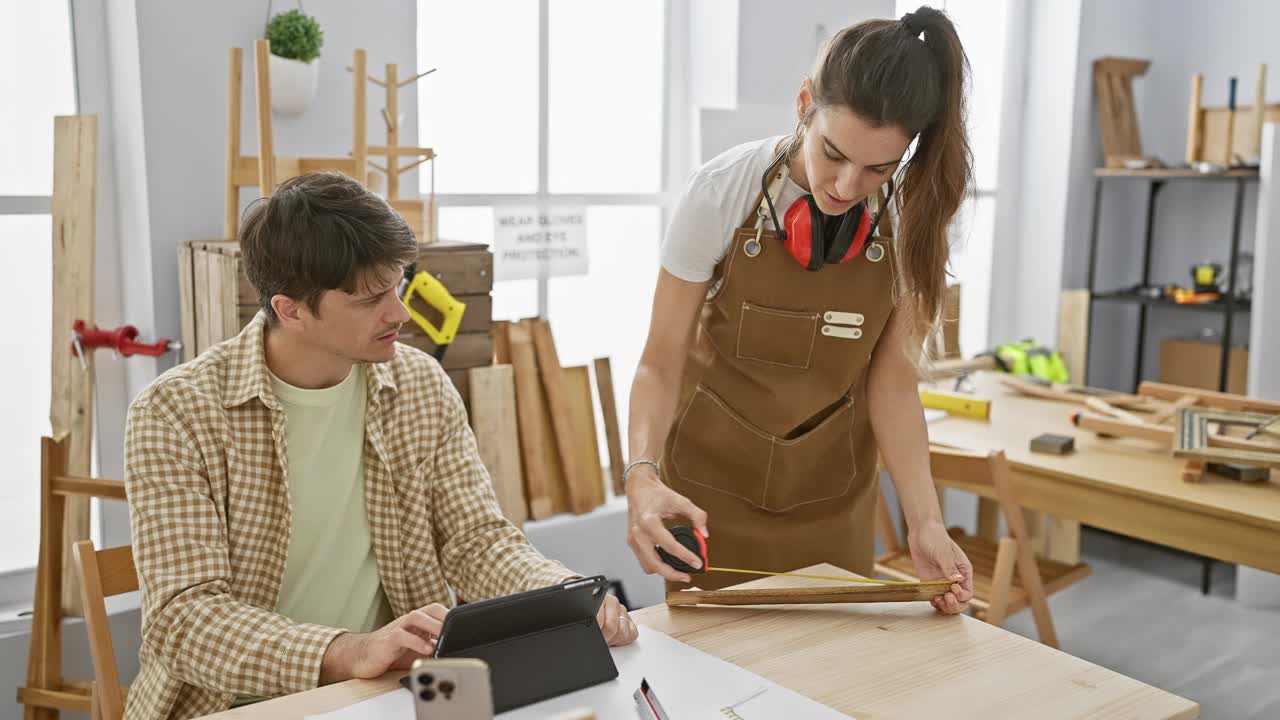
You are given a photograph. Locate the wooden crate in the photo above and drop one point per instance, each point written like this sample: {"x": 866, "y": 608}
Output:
{"x": 218, "y": 300}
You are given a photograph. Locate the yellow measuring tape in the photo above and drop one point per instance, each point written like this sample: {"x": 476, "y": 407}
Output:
{"x": 814, "y": 577}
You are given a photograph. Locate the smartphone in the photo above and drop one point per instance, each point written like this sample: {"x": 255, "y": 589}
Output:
{"x": 451, "y": 689}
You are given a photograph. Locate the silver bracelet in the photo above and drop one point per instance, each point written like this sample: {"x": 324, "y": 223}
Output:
{"x": 656, "y": 468}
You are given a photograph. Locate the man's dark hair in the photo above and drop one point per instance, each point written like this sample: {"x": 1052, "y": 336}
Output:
{"x": 318, "y": 232}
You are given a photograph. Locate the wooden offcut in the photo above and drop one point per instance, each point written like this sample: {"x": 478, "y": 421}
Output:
{"x": 609, "y": 411}
{"x": 580, "y": 496}
{"x": 910, "y": 592}
{"x": 493, "y": 418}
{"x": 1117, "y": 114}
{"x": 1073, "y": 333}
{"x": 577, "y": 384}
{"x": 542, "y": 473}
{"x": 75, "y": 153}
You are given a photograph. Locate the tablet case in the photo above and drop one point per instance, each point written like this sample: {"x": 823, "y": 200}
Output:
{"x": 538, "y": 644}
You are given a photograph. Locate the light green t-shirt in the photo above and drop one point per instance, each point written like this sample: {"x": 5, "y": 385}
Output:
{"x": 330, "y": 576}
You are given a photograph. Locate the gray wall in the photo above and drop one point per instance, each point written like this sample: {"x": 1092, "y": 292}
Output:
{"x": 183, "y": 83}
{"x": 1192, "y": 221}
{"x": 155, "y": 73}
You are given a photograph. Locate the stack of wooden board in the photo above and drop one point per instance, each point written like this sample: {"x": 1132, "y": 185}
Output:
{"x": 218, "y": 300}
{"x": 535, "y": 425}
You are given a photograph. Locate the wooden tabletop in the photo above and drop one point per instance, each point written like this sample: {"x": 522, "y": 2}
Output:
{"x": 1122, "y": 466}
{"x": 891, "y": 660}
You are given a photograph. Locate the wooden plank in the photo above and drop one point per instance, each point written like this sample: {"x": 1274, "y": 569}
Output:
{"x": 231, "y": 198}
{"x": 909, "y": 592}
{"x": 392, "y": 107}
{"x": 312, "y": 164}
{"x": 228, "y": 269}
{"x": 266, "y": 146}
{"x": 214, "y": 299}
{"x": 203, "y": 302}
{"x": 75, "y": 153}
{"x": 1225, "y": 401}
{"x": 501, "y": 342}
{"x": 493, "y": 416}
{"x": 359, "y": 116}
{"x": 609, "y": 411}
{"x": 478, "y": 316}
{"x": 466, "y": 351}
{"x": 561, "y": 420}
{"x": 67, "y": 700}
{"x": 1195, "y": 133}
{"x": 541, "y": 464}
{"x": 463, "y": 272}
{"x": 187, "y": 300}
{"x": 462, "y": 382}
{"x": 66, "y": 485}
{"x": 577, "y": 381}
{"x": 44, "y": 661}
{"x": 951, "y": 322}
{"x": 1073, "y": 333}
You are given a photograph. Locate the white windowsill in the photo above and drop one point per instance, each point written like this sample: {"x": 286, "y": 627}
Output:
{"x": 13, "y": 621}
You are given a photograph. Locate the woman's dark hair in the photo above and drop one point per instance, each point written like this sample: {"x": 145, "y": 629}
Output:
{"x": 911, "y": 73}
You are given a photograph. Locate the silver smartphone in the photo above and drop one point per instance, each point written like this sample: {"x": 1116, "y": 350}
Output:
{"x": 451, "y": 689}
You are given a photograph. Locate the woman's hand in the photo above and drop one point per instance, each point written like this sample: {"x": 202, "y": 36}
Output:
{"x": 938, "y": 557}
{"x": 649, "y": 503}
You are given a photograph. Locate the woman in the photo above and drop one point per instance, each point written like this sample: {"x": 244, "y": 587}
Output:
{"x": 784, "y": 337}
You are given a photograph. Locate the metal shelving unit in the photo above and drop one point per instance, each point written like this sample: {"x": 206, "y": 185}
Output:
{"x": 1228, "y": 306}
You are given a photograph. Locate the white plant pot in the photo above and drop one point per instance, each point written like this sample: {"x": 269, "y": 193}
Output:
{"x": 293, "y": 84}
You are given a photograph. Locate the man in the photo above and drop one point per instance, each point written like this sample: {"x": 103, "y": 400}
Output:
{"x": 305, "y": 496}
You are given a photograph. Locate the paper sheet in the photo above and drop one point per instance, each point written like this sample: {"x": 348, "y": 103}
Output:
{"x": 690, "y": 684}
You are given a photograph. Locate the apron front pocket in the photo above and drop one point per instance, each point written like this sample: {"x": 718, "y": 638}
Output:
{"x": 777, "y": 337}
{"x": 714, "y": 447}
{"x": 818, "y": 465}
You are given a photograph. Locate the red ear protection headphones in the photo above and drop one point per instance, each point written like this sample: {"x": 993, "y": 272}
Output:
{"x": 802, "y": 228}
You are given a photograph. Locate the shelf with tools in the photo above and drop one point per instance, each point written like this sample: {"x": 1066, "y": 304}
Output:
{"x": 1222, "y": 300}
{"x": 1218, "y": 306}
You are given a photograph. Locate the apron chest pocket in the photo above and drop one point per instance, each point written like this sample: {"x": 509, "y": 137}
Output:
{"x": 777, "y": 337}
{"x": 716, "y": 448}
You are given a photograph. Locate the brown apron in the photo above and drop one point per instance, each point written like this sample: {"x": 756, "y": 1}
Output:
{"x": 771, "y": 434}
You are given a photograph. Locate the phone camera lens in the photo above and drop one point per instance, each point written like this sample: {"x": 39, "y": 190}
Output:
{"x": 425, "y": 679}
{"x": 427, "y": 694}
{"x": 446, "y": 687}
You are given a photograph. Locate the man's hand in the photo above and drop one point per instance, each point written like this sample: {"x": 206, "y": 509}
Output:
{"x": 392, "y": 647}
{"x": 615, "y": 623}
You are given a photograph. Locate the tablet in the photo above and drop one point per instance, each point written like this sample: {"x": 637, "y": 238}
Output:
{"x": 538, "y": 644}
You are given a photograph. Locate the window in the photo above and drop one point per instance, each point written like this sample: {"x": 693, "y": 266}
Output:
{"x": 35, "y": 46}
{"x": 982, "y": 26}
{"x": 547, "y": 121}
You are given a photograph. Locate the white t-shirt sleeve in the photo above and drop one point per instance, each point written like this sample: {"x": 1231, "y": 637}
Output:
{"x": 700, "y": 230}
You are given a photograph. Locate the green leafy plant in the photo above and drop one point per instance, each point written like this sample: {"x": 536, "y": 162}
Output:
{"x": 295, "y": 36}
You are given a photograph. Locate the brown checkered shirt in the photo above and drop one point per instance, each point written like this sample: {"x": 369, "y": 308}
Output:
{"x": 209, "y": 504}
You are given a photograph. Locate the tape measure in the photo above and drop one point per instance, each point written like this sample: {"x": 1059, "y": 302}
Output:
{"x": 697, "y": 544}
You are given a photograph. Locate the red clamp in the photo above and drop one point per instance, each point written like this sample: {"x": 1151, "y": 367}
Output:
{"x": 122, "y": 340}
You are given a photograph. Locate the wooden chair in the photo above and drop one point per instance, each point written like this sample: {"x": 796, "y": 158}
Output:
{"x": 998, "y": 590}
{"x": 104, "y": 573}
{"x": 47, "y": 691}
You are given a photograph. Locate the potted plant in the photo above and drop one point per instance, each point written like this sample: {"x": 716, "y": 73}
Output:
{"x": 295, "y": 60}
